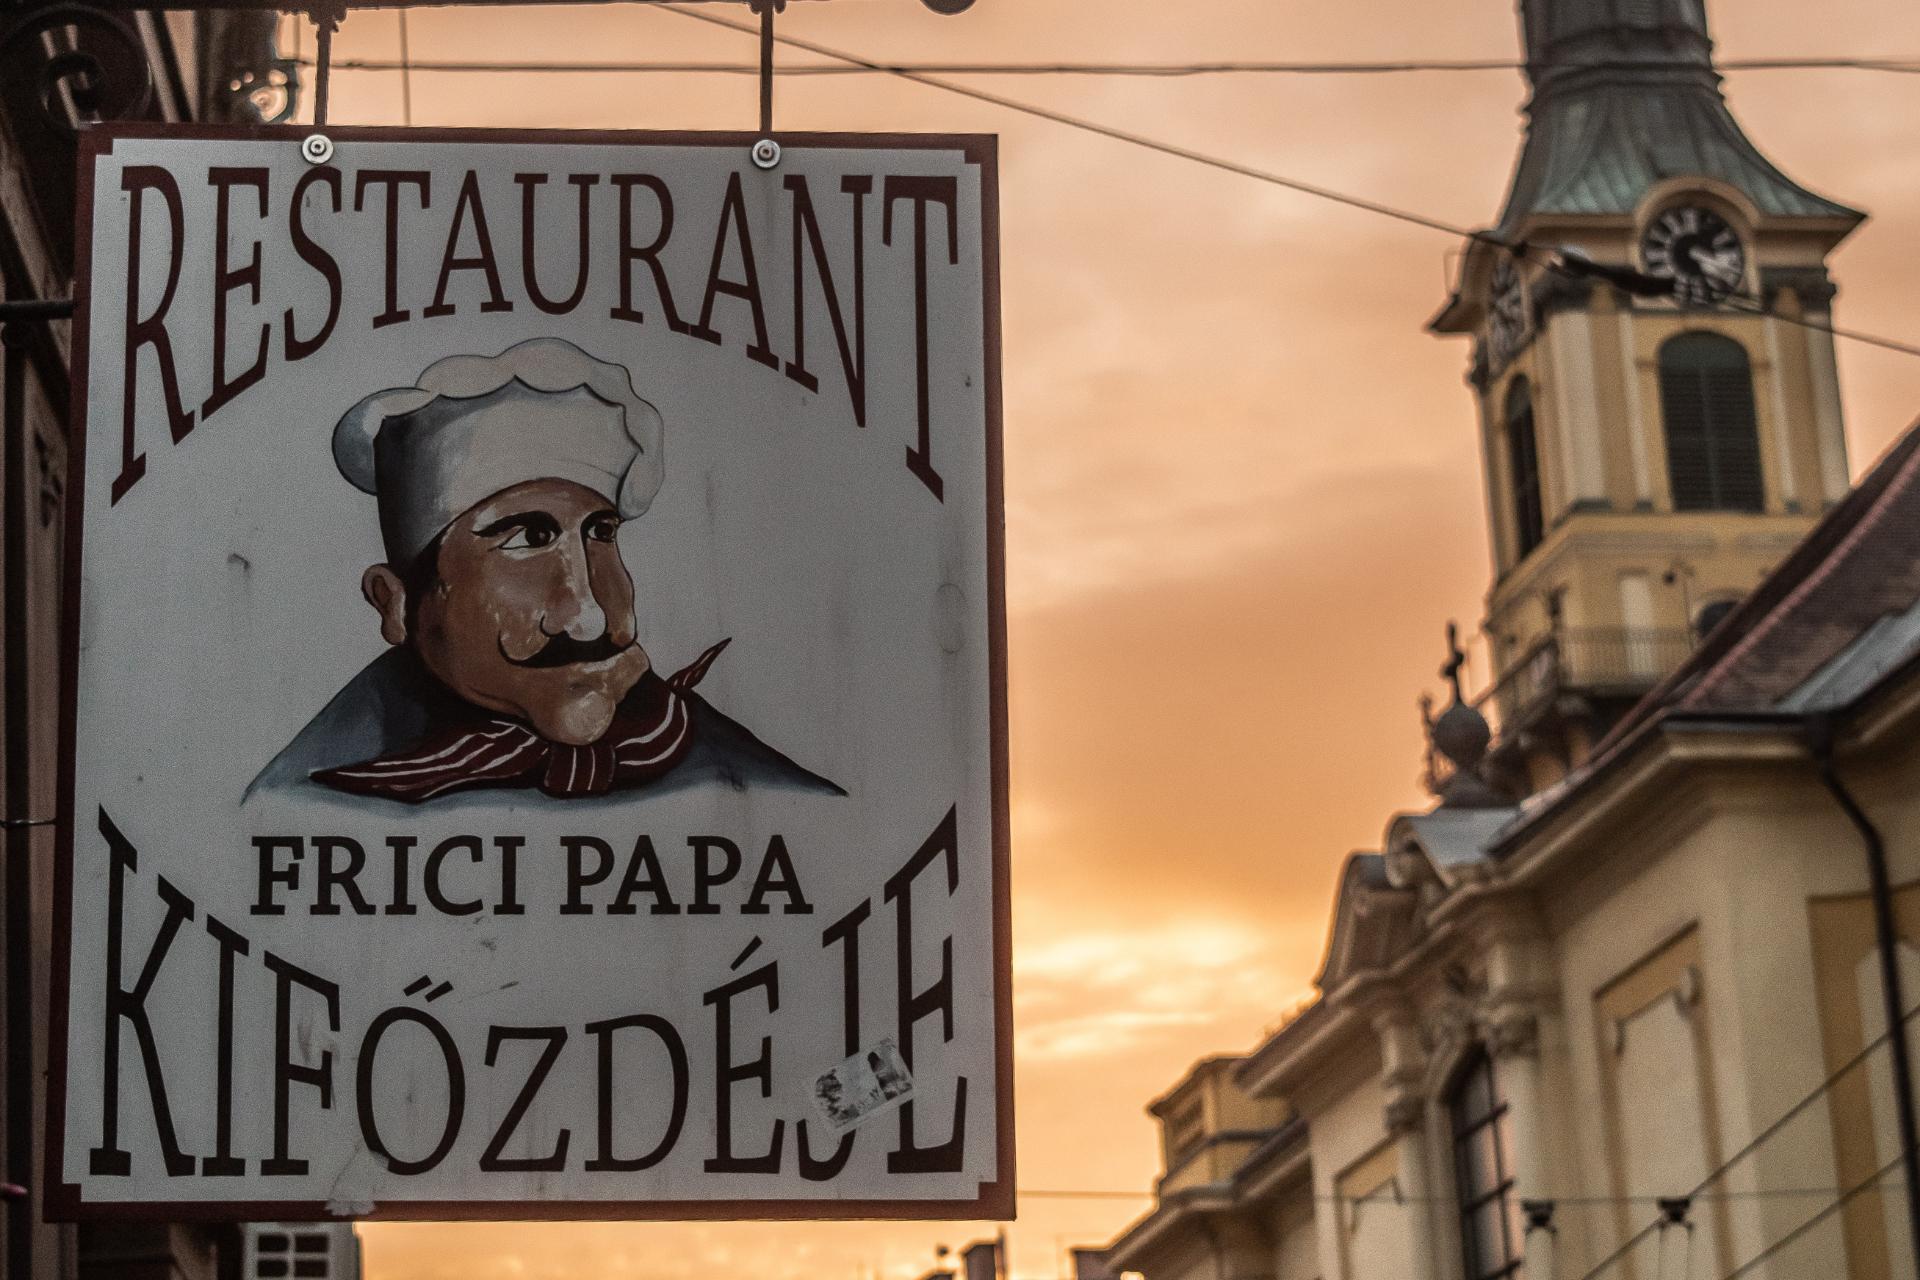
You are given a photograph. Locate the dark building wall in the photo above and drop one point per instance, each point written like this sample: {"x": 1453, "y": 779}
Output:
{"x": 36, "y": 244}
{"x": 32, "y": 471}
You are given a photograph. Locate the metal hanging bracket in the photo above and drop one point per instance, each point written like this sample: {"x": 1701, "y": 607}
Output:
{"x": 326, "y": 15}
{"x": 34, "y": 310}
{"x": 766, "y": 152}
{"x": 101, "y": 71}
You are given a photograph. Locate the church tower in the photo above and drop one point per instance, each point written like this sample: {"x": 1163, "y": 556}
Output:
{"x": 1656, "y": 430}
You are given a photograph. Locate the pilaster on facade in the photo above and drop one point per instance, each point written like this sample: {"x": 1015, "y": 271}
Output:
{"x": 1403, "y": 1074}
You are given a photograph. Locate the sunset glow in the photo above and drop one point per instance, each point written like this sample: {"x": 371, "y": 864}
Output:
{"x": 1243, "y": 495}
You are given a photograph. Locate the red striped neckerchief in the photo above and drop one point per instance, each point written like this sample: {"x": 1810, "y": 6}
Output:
{"x": 651, "y": 733}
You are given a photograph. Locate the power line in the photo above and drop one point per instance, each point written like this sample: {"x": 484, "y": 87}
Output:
{"x": 1818, "y": 1218}
{"x": 853, "y": 62}
{"x": 1145, "y": 70}
{"x": 1576, "y": 265}
{"x": 1563, "y": 1202}
{"x": 1107, "y": 131}
{"x": 1607, "y": 1201}
{"x": 1758, "y": 1139}
{"x": 406, "y": 73}
{"x": 1755, "y": 307}
{"x": 1218, "y": 162}
{"x": 1088, "y": 1195}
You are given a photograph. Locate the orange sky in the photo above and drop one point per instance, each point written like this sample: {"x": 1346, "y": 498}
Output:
{"x": 1243, "y": 495}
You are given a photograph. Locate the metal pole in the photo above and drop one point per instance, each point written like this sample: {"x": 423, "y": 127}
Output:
{"x": 406, "y": 74}
{"x": 17, "y": 918}
{"x": 35, "y": 309}
{"x": 1893, "y": 997}
{"x": 766, "y": 66}
{"x": 326, "y": 19}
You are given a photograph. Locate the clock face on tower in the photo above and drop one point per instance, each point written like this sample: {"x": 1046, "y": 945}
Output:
{"x": 1698, "y": 251}
{"x": 1507, "y": 314}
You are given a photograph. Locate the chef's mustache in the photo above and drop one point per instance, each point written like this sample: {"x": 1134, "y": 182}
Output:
{"x": 564, "y": 651}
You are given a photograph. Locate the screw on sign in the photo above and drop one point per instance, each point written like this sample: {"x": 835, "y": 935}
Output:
{"x": 538, "y": 735}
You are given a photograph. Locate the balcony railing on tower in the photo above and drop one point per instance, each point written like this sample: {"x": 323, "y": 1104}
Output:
{"x": 1606, "y": 662}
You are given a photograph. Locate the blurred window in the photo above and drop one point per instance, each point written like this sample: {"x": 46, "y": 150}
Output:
{"x": 1491, "y": 1233}
{"x": 1523, "y": 462}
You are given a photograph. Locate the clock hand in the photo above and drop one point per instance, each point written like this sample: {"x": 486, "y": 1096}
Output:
{"x": 1712, "y": 263}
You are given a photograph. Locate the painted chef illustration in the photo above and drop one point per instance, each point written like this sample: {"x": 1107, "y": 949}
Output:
{"x": 515, "y": 661}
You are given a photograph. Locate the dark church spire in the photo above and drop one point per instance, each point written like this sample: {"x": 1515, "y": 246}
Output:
{"x": 1624, "y": 97}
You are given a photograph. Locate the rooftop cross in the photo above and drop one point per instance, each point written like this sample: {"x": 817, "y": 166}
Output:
{"x": 1456, "y": 659}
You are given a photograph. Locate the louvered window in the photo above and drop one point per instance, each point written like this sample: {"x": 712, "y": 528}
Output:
{"x": 1713, "y": 440}
{"x": 1523, "y": 466}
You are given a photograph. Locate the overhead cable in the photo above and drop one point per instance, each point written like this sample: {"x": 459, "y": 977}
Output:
{"x": 1753, "y": 1144}
{"x": 1569, "y": 1202}
{"x": 1106, "y": 131}
{"x": 1841, "y": 1202}
{"x": 1574, "y": 264}
{"x": 1146, "y": 70}
{"x": 1215, "y": 162}
{"x": 1750, "y": 305}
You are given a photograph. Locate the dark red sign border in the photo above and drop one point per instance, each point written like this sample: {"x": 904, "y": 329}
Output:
{"x": 995, "y": 1200}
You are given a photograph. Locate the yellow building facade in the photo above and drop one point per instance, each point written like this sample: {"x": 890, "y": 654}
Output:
{"x": 1619, "y": 1007}
{"x": 1654, "y": 979}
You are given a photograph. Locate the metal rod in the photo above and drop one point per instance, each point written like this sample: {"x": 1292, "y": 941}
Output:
{"x": 1892, "y": 996}
{"x": 324, "y": 22}
{"x": 17, "y": 916}
{"x": 14, "y": 311}
{"x": 406, "y": 74}
{"x": 766, "y": 65}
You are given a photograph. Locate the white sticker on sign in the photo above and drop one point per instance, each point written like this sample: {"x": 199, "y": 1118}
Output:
{"x": 864, "y": 1086}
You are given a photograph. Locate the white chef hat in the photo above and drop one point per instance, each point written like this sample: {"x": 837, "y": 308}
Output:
{"x": 475, "y": 425}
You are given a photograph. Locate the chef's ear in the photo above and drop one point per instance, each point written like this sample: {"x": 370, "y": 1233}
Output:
{"x": 388, "y": 595}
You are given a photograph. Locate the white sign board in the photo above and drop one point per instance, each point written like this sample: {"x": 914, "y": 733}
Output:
{"x": 535, "y": 734}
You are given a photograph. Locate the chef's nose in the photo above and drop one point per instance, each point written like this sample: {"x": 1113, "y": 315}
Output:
{"x": 574, "y": 609}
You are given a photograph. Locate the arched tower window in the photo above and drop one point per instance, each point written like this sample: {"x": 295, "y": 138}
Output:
{"x": 1713, "y": 439}
{"x": 1491, "y": 1232}
{"x": 1523, "y": 465}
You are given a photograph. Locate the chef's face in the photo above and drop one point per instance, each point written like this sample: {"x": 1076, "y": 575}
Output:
{"x": 528, "y": 610}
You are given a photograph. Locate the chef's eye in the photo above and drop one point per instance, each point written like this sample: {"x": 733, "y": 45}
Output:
{"x": 603, "y": 528}
{"x": 529, "y": 536}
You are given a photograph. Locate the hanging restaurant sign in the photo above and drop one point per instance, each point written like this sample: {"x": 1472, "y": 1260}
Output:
{"x": 535, "y": 722}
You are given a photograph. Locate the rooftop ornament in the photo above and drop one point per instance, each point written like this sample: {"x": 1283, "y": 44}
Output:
{"x": 1461, "y": 735}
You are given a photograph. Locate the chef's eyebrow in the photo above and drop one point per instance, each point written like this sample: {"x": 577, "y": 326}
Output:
{"x": 519, "y": 520}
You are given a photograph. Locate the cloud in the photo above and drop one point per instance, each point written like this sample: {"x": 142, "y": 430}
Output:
{"x": 1092, "y": 993}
